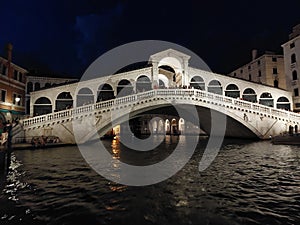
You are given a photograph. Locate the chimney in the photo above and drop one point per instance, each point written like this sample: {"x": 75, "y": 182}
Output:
{"x": 254, "y": 54}
{"x": 9, "y": 48}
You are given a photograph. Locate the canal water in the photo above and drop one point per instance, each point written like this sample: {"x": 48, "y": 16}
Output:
{"x": 248, "y": 183}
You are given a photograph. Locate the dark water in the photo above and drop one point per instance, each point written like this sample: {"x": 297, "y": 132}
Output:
{"x": 248, "y": 183}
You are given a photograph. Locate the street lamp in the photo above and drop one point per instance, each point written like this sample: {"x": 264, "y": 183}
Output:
{"x": 17, "y": 99}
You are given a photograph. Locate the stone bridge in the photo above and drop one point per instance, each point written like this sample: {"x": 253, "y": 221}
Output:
{"x": 165, "y": 83}
{"x": 243, "y": 119}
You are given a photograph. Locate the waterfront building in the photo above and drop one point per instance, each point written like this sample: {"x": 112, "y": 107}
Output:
{"x": 291, "y": 51}
{"x": 12, "y": 87}
{"x": 267, "y": 69}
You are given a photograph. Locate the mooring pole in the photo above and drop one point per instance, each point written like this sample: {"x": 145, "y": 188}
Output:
{"x": 9, "y": 146}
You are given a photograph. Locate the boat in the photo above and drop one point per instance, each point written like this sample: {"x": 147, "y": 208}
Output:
{"x": 286, "y": 139}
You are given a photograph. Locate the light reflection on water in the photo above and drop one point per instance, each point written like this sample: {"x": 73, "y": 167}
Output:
{"x": 248, "y": 183}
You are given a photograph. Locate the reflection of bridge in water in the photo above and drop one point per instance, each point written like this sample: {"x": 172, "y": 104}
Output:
{"x": 97, "y": 103}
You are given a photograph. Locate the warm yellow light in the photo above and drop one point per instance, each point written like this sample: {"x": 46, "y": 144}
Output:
{"x": 17, "y": 99}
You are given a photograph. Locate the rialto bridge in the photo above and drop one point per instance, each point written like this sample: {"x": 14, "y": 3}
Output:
{"x": 251, "y": 109}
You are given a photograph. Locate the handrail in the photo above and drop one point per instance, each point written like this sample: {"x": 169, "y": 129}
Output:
{"x": 163, "y": 93}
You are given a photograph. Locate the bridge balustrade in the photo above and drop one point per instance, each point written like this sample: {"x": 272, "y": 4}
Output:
{"x": 161, "y": 92}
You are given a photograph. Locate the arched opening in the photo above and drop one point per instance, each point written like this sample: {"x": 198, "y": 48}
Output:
{"x": 266, "y": 99}
{"x": 174, "y": 127}
{"x": 161, "y": 84}
{"x": 163, "y": 81}
{"x": 154, "y": 127}
{"x": 63, "y": 101}
{"x": 181, "y": 126}
{"x": 170, "y": 73}
{"x": 167, "y": 127}
{"x": 249, "y": 95}
{"x": 232, "y": 91}
{"x": 160, "y": 127}
{"x": 29, "y": 87}
{"x": 295, "y": 75}
{"x": 197, "y": 82}
{"x": 37, "y": 86}
{"x": 143, "y": 83}
{"x": 215, "y": 86}
{"x": 276, "y": 83}
{"x": 42, "y": 106}
{"x": 124, "y": 88}
{"x": 84, "y": 97}
{"x": 283, "y": 103}
{"x": 105, "y": 92}
{"x": 293, "y": 58}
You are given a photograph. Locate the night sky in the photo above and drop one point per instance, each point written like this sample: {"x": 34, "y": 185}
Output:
{"x": 64, "y": 37}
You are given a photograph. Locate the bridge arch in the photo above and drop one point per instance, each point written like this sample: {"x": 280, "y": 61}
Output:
{"x": 249, "y": 95}
{"x": 143, "y": 83}
{"x": 266, "y": 99}
{"x": 283, "y": 103}
{"x": 124, "y": 88}
{"x": 42, "y": 106}
{"x": 64, "y": 100}
{"x": 105, "y": 92}
{"x": 232, "y": 90}
{"x": 84, "y": 96}
{"x": 214, "y": 86}
{"x": 197, "y": 82}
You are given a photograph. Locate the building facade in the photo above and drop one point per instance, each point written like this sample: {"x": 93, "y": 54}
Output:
{"x": 291, "y": 51}
{"x": 267, "y": 69}
{"x": 12, "y": 88}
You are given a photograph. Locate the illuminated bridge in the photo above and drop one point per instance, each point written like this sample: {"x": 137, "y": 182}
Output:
{"x": 250, "y": 109}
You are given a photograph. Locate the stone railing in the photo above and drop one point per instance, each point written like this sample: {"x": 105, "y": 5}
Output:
{"x": 193, "y": 94}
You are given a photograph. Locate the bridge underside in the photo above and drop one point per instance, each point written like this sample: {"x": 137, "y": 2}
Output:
{"x": 207, "y": 119}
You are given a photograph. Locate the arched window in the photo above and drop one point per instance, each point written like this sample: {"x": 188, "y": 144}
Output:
{"x": 293, "y": 58}
{"x": 295, "y": 75}
{"x": 42, "y": 106}
{"x": 84, "y": 97}
{"x": 266, "y": 99}
{"x": 249, "y": 95}
{"x": 105, "y": 92}
{"x": 232, "y": 91}
{"x": 283, "y": 103}
{"x": 143, "y": 83}
{"x": 197, "y": 82}
{"x": 37, "y": 86}
{"x": 124, "y": 88}
{"x": 215, "y": 86}
{"x": 63, "y": 101}
{"x": 29, "y": 87}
